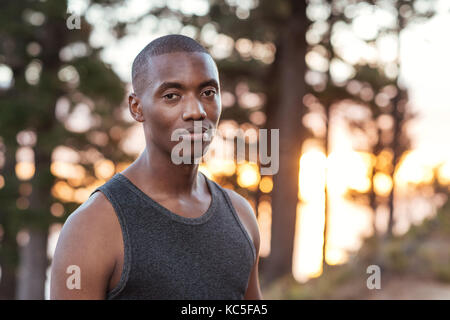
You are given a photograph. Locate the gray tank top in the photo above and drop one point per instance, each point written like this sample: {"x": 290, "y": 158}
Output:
{"x": 168, "y": 256}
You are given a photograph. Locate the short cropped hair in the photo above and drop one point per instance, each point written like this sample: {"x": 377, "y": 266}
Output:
{"x": 162, "y": 45}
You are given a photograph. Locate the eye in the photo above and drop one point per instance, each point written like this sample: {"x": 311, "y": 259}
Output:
{"x": 209, "y": 93}
{"x": 171, "y": 96}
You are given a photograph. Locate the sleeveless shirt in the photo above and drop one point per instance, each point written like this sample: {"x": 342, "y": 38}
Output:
{"x": 168, "y": 256}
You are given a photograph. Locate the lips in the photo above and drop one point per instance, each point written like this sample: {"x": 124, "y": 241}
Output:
{"x": 196, "y": 129}
{"x": 197, "y": 133}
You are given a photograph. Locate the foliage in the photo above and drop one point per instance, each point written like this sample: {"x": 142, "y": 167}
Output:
{"x": 422, "y": 252}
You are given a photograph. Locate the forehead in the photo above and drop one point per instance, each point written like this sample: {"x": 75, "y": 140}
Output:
{"x": 188, "y": 68}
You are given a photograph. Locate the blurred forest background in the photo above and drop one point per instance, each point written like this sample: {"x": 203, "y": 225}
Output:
{"x": 357, "y": 89}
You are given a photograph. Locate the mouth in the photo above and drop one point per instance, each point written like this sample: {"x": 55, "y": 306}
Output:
{"x": 198, "y": 133}
{"x": 196, "y": 136}
{"x": 196, "y": 129}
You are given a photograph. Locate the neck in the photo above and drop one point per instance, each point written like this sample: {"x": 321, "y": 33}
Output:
{"x": 165, "y": 176}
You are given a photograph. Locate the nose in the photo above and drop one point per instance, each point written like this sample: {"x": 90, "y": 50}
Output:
{"x": 193, "y": 110}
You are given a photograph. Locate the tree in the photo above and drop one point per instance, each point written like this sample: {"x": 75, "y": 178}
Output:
{"x": 283, "y": 24}
{"x": 374, "y": 79}
{"x": 48, "y": 62}
{"x": 394, "y": 139}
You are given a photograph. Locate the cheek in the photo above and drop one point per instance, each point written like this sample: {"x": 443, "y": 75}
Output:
{"x": 215, "y": 117}
{"x": 158, "y": 123}
{"x": 215, "y": 112}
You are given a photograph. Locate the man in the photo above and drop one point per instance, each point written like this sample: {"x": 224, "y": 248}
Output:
{"x": 160, "y": 230}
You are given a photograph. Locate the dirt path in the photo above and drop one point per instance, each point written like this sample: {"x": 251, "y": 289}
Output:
{"x": 409, "y": 288}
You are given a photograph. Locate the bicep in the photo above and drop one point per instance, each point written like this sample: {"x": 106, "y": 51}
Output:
{"x": 253, "y": 290}
{"x": 249, "y": 220}
{"x": 82, "y": 262}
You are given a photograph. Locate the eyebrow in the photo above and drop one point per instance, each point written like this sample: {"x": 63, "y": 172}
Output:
{"x": 168, "y": 85}
{"x": 210, "y": 82}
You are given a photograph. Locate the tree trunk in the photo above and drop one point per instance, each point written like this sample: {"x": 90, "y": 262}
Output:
{"x": 373, "y": 202}
{"x": 33, "y": 256}
{"x": 287, "y": 118}
{"x": 398, "y": 114}
{"x": 8, "y": 243}
{"x": 8, "y": 262}
{"x": 396, "y": 150}
{"x": 327, "y": 206}
{"x": 33, "y": 267}
{"x": 8, "y": 281}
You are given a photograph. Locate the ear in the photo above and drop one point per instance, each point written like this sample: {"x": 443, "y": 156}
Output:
{"x": 136, "y": 109}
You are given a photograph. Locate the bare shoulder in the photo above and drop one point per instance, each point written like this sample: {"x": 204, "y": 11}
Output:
{"x": 246, "y": 214}
{"x": 93, "y": 220}
{"x": 88, "y": 240}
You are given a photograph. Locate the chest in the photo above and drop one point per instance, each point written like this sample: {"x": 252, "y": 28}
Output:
{"x": 185, "y": 207}
{"x": 179, "y": 261}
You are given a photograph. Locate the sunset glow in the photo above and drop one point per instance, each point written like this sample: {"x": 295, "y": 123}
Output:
{"x": 25, "y": 170}
{"x": 248, "y": 175}
{"x": 323, "y": 121}
{"x": 343, "y": 170}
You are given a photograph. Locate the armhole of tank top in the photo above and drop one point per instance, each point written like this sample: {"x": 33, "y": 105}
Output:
{"x": 126, "y": 245}
{"x": 236, "y": 217}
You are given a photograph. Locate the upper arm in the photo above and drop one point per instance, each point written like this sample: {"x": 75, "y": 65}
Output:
{"x": 85, "y": 252}
{"x": 248, "y": 219}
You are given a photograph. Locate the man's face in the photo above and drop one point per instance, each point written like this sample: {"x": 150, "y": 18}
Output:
{"x": 183, "y": 87}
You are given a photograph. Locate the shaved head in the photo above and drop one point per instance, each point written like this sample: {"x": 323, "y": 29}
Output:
{"x": 162, "y": 45}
